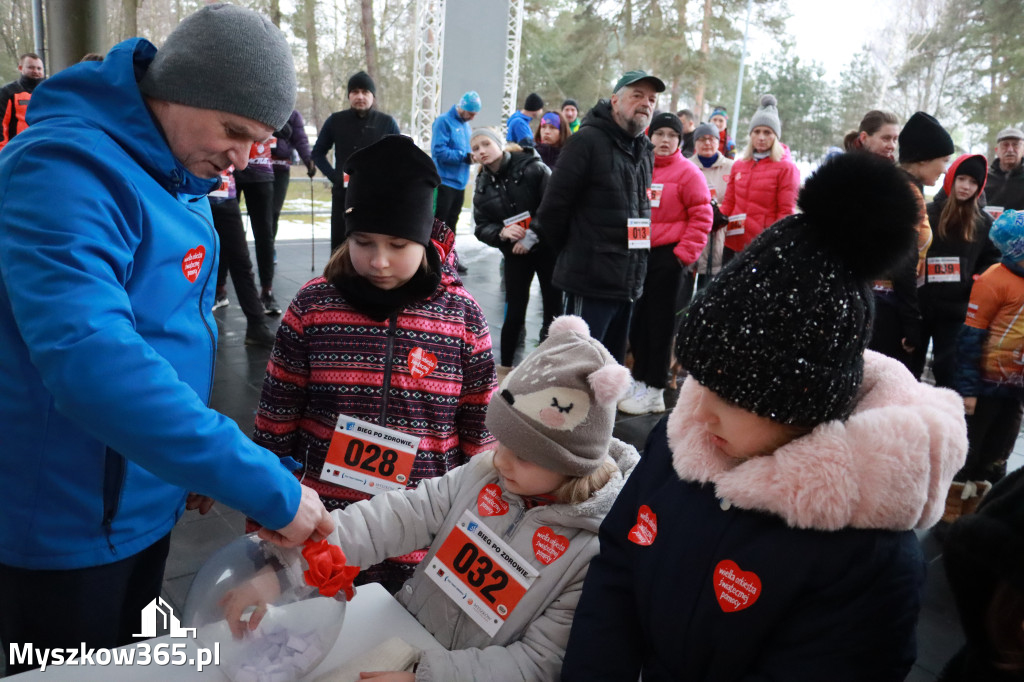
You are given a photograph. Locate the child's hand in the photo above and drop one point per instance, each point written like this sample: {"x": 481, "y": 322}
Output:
{"x": 200, "y": 502}
{"x": 970, "y": 403}
{"x": 262, "y": 589}
{"x": 388, "y": 676}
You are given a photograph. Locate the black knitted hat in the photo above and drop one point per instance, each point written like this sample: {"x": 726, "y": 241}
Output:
{"x": 533, "y": 102}
{"x": 984, "y": 550}
{"x": 973, "y": 165}
{"x": 361, "y": 81}
{"x": 665, "y": 120}
{"x": 391, "y": 190}
{"x": 781, "y": 331}
{"x": 923, "y": 139}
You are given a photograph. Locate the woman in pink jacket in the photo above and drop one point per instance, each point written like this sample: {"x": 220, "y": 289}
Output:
{"x": 680, "y": 222}
{"x": 764, "y": 182}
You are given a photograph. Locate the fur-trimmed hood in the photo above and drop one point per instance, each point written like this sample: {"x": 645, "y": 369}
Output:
{"x": 888, "y": 466}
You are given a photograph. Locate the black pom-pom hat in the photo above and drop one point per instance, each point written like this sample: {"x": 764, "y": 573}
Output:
{"x": 781, "y": 331}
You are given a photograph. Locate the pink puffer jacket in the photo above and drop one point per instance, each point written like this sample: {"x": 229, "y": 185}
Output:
{"x": 683, "y": 217}
{"x": 765, "y": 191}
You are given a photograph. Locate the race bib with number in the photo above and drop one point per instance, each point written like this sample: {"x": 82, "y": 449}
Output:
{"x": 522, "y": 219}
{"x": 735, "y": 226}
{"x": 994, "y": 211}
{"x": 369, "y": 458}
{"x": 945, "y": 269}
{"x": 654, "y": 194}
{"x": 639, "y": 232}
{"x": 486, "y": 578}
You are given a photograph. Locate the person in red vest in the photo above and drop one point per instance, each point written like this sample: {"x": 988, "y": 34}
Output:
{"x": 15, "y": 95}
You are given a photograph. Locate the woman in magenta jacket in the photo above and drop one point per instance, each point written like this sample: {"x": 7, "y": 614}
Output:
{"x": 764, "y": 182}
{"x": 680, "y": 223}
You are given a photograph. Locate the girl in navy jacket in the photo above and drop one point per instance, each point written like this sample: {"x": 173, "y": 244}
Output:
{"x": 767, "y": 533}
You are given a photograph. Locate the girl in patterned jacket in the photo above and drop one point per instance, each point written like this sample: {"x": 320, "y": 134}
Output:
{"x": 511, "y": 533}
{"x": 386, "y": 342}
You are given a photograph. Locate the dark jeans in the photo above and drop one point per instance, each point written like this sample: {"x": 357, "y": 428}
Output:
{"x": 337, "y": 215}
{"x": 234, "y": 258}
{"x": 888, "y": 333}
{"x": 943, "y": 334}
{"x": 991, "y": 433}
{"x": 449, "y": 205}
{"x": 654, "y": 318}
{"x": 608, "y": 320}
{"x": 259, "y": 202}
{"x": 282, "y": 176}
{"x": 100, "y": 606}
{"x": 519, "y": 271}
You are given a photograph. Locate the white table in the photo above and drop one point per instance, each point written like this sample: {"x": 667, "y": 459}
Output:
{"x": 372, "y": 617}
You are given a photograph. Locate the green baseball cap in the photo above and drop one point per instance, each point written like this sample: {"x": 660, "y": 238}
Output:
{"x": 631, "y": 77}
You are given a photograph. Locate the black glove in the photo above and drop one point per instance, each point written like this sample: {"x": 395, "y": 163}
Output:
{"x": 719, "y": 219}
{"x": 310, "y": 167}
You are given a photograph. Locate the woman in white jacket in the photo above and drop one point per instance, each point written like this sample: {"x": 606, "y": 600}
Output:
{"x": 511, "y": 533}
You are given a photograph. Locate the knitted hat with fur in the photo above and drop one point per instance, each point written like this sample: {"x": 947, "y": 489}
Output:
{"x": 781, "y": 331}
{"x": 557, "y": 408}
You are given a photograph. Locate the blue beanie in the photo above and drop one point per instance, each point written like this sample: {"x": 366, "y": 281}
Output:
{"x": 470, "y": 102}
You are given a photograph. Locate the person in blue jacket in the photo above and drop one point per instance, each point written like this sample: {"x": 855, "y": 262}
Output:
{"x": 767, "y": 533}
{"x": 519, "y": 131}
{"x": 108, "y": 262}
{"x": 449, "y": 147}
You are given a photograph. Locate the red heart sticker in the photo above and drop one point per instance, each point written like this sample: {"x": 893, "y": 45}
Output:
{"x": 489, "y": 502}
{"x": 646, "y": 528}
{"x": 736, "y": 589}
{"x": 192, "y": 263}
{"x": 549, "y": 545}
{"x": 421, "y": 362}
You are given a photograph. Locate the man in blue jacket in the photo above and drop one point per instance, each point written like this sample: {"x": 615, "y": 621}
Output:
{"x": 519, "y": 130}
{"x": 449, "y": 147}
{"x": 108, "y": 262}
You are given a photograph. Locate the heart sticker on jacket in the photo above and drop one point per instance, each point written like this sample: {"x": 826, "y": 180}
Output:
{"x": 192, "y": 263}
{"x": 421, "y": 362}
{"x": 646, "y": 528}
{"x": 735, "y": 589}
{"x": 489, "y": 502}
{"x": 549, "y": 545}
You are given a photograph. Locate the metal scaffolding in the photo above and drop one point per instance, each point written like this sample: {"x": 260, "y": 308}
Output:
{"x": 515, "y": 33}
{"x": 427, "y": 67}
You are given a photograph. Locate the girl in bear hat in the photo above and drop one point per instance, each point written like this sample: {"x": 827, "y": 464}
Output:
{"x": 763, "y": 183}
{"x": 512, "y": 532}
{"x": 959, "y": 252}
{"x": 388, "y": 337}
{"x": 767, "y": 532}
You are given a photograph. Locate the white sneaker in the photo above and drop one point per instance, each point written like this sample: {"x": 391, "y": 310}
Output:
{"x": 221, "y": 302}
{"x": 647, "y": 401}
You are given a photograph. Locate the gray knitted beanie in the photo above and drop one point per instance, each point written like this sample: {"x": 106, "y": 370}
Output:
{"x": 226, "y": 58}
{"x": 767, "y": 115}
{"x": 557, "y": 409}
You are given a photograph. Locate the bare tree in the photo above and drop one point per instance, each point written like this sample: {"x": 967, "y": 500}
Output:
{"x": 313, "y": 63}
{"x": 369, "y": 37}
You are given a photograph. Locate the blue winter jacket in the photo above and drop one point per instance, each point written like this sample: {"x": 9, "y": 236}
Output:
{"x": 449, "y": 145}
{"x": 519, "y": 130}
{"x": 108, "y": 260}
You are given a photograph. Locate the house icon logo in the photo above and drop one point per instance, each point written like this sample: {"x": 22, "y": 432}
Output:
{"x": 158, "y": 615}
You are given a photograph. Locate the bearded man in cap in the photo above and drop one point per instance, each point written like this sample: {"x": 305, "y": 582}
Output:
{"x": 108, "y": 262}
{"x": 347, "y": 132}
{"x": 596, "y": 210}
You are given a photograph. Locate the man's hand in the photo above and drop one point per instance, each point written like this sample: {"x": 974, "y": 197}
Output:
{"x": 200, "y": 502}
{"x": 311, "y": 522}
{"x": 970, "y": 404}
{"x": 310, "y": 167}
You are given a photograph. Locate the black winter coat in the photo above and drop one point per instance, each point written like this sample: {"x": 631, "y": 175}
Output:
{"x": 600, "y": 183}
{"x": 346, "y": 131}
{"x": 948, "y": 300}
{"x": 518, "y": 186}
{"x": 1005, "y": 189}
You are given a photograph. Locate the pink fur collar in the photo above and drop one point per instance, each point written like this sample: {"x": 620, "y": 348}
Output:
{"x": 888, "y": 466}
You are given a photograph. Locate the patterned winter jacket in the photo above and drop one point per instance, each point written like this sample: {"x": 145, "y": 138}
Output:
{"x": 683, "y": 214}
{"x": 991, "y": 342}
{"x": 765, "y": 191}
{"x": 331, "y": 359}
